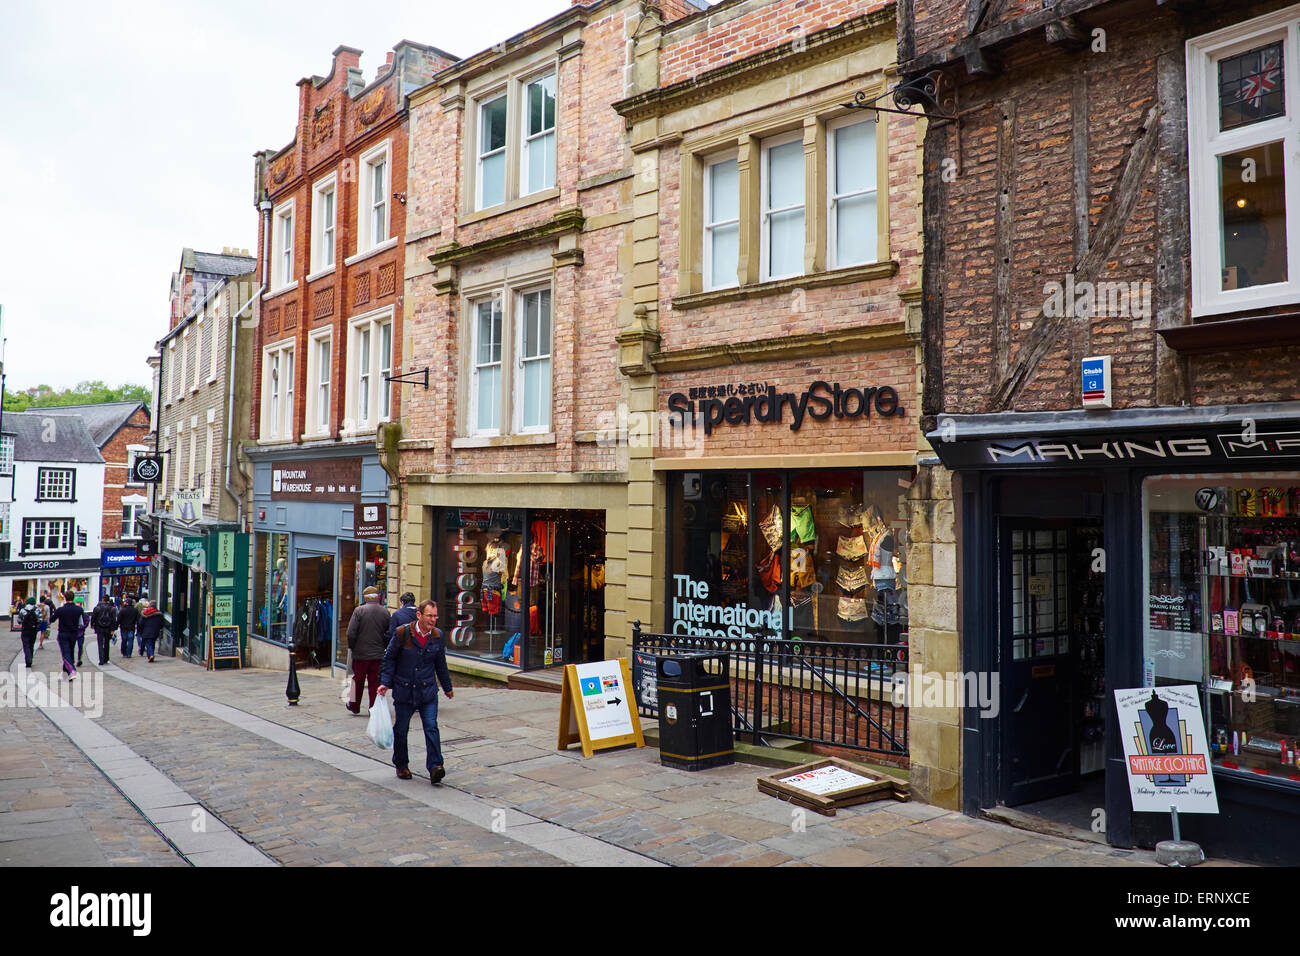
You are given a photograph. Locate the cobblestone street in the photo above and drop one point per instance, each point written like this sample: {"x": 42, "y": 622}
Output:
{"x": 305, "y": 786}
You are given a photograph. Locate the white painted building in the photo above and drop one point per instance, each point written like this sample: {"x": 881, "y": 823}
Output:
{"x": 51, "y": 505}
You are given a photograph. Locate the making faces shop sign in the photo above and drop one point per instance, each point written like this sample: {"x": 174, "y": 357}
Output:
{"x": 1166, "y": 753}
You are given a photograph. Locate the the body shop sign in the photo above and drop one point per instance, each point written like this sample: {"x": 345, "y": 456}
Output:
{"x": 324, "y": 479}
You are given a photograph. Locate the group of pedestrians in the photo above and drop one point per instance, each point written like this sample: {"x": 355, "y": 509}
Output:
{"x": 404, "y": 652}
{"x": 71, "y": 620}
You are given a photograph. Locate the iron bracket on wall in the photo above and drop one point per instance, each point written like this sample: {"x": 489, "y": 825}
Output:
{"x": 926, "y": 90}
{"x": 405, "y": 378}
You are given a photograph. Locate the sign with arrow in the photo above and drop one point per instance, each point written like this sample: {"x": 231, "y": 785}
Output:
{"x": 594, "y": 707}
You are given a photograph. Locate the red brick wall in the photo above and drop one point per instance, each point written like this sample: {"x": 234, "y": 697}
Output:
{"x": 1037, "y": 88}
{"x": 686, "y": 52}
{"x": 116, "y": 458}
{"x": 334, "y": 131}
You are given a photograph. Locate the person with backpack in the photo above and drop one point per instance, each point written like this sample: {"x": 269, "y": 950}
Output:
{"x": 127, "y": 619}
{"x": 29, "y": 621}
{"x": 367, "y": 631}
{"x": 104, "y": 620}
{"x": 47, "y": 616}
{"x": 415, "y": 663}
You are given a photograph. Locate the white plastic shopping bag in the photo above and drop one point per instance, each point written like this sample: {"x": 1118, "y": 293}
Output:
{"x": 380, "y": 728}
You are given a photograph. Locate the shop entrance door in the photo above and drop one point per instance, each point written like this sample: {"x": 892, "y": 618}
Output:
{"x": 1040, "y": 756}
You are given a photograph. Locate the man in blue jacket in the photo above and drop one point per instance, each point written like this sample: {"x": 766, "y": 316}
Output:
{"x": 415, "y": 663}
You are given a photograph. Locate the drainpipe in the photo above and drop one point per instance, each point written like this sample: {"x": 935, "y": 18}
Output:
{"x": 230, "y": 401}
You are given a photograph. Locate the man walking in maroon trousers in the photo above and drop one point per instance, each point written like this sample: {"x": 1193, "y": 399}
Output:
{"x": 367, "y": 639}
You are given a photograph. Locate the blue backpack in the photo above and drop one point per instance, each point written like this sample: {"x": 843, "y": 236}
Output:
{"x": 508, "y": 651}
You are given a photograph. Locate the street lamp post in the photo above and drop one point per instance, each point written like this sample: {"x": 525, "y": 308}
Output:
{"x": 291, "y": 689}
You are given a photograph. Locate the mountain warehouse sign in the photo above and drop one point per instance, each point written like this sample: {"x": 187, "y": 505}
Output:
{"x": 820, "y": 401}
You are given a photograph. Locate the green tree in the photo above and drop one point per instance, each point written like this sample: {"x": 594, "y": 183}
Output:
{"x": 84, "y": 393}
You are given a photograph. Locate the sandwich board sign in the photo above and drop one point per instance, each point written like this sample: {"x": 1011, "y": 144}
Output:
{"x": 597, "y": 707}
{"x": 223, "y": 645}
{"x": 1166, "y": 755}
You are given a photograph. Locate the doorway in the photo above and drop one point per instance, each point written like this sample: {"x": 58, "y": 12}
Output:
{"x": 1052, "y": 650}
{"x": 313, "y": 626}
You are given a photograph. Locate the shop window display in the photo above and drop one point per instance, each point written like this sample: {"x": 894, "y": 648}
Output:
{"x": 817, "y": 555}
{"x": 271, "y": 587}
{"x": 522, "y": 588}
{"x": 1223, "y": 610}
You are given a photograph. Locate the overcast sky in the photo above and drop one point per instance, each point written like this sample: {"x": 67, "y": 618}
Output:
{"x": 127, "y": 132}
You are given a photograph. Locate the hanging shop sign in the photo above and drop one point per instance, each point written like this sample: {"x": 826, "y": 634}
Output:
{"x": 1225, "y": 443}
{"x": 596, "y": 707}
{"x": 188, "y": 506}
{"x": 1166, "y": 754}
{"x": 324, "y": 479}
{"x": 370, "y": 520}
{"x": 750, "y": 403}
{"x": 147, "y": 470}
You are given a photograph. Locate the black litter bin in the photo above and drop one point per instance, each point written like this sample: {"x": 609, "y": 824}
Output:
{"x": 695, "y": 711}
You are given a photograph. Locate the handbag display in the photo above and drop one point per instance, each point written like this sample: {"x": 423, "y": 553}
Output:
{"x": 735, "y": 520}
{"x": 851, "y": 548}
{"x": 769, "y": 572}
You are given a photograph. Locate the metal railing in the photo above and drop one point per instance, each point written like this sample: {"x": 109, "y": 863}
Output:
{"x": 838, "y": 694}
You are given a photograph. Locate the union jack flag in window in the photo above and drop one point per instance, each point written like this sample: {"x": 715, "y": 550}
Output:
{"x": 1250, "y": 87}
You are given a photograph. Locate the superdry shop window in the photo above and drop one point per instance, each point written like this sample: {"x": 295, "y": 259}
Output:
{"x": 521, "y": 587}
{"x": 812, "y": 554}
{"x": 1222, "y": 576}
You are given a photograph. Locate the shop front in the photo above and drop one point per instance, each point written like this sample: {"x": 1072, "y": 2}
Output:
{"x": 78, "y": 578}
{"x": 124, "y": 577}
{"x": 1126, "y": 549}
{"x": 320, "y": 538}
{"x": 182, "y": 592}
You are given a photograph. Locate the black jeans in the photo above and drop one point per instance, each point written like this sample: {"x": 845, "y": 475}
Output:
{"x": 105, "y": 639}
{"x": 29, "y": 647}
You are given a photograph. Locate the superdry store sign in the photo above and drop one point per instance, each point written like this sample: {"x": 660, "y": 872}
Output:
{"x": 745, "y": 404}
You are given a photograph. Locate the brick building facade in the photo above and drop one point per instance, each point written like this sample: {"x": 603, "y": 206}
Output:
{"x": 332, "y": 229}
{"x": 1109, "y": 301}
{"x": 515, "y": 272}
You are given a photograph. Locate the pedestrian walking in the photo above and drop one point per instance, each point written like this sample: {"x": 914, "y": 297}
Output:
{"x": 29, "y": 620}
{"x": 415, "y": 663}
{"x": 81, "y": 632}
{"x": 127, "y": 619}
{"x": 150, "y": 626}
{"x": 405, "y": 614}
{"x": 70, "y": 619}
{"x": 47, "y": 616}
{"x": 104, "y": 620}
{"x": 367, "y": 631}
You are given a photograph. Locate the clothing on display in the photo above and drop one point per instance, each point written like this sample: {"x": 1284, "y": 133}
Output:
{"x": 851, "y": 578}
{"x": 803, "y": 529}
{"x": 851, "y": 609}
{"x": 851, "y": 548}
{"x": 772, "y": 528}
{"x": 802, "y": 570}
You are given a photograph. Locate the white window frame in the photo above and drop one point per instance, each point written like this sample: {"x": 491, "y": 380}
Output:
{"x": 526, "y": 141}
{"x": 172, "y": 392}
{"x": 215, "y": 340}
{"x": 365, "y": 385}
{"x": 185, "y": 362}
{"x": 138, "y": 507}
{"x": 1206, "y": 144}
{"x": 132, "y": 453}
{"x": 192, "y": 484}
{"x": 6, "y": 454}
{"x": 503, "y": 150}
{"x": 198, "y": 353}
{"x": 277, "y": 407}
{"x": 765, "y": 213}
{"x": 833, "y": 198}
{"x": 366, "y": 203}
{"x": 282, "y": 255}
{"x": 68, "y": 475}
{"x": 206, "y": 483}
{"x": 324, "y": 228}
{"x": 319, "y": 375}
{"x": 47, "y": 530}
{"x": 520, "y": 360}
{"x": 708, "y": 225}
{"x": 497, "y": 300}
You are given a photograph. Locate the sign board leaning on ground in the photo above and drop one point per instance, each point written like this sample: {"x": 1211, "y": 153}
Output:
{"x": 595, "y": 709}
{"x": 828, "y": 784}
{"x": 223, "y": 645}
{"x": 1166, "y": 755}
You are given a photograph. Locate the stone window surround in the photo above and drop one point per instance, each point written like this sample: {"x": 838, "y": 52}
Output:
{"x": 511, "y": 282}
{"x": 375, "y": 320}
{"x": 814, "y": 119}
